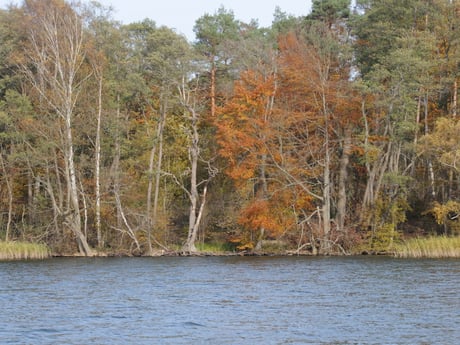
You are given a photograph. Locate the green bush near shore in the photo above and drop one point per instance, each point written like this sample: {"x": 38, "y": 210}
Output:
{"x": 432, "y": 247}
{"x": 23, "y": 251}
{"x": 214, "y": 247}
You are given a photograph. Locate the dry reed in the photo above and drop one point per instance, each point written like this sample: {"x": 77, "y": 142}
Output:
{"x": 431, "y": 247}
{"x": 23, "y": 251}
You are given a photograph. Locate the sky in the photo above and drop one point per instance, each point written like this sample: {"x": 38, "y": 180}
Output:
{"x": 182, "y": 14}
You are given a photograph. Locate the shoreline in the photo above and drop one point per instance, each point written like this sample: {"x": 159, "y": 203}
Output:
{"x": 434, "y": 248}
{"x": 217, "y": 254}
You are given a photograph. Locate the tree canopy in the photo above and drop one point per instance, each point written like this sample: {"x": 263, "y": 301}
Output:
{"x": 336, "y": 132}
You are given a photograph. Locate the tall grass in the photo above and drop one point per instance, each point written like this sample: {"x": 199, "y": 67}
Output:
{"x": 431, "y": 247}
{"x": 23, "y": 251}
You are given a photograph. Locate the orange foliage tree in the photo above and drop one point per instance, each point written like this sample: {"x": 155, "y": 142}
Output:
{"x": 247, "y": 132}
{"x": 287, "y": 138}
{"x": 315, "y": 92}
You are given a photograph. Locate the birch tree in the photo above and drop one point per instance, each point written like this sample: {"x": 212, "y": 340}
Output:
{"x": 196, "y": 188}
{"x": 55, "y": 58}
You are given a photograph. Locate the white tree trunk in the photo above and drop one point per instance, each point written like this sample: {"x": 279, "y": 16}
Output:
{"x": 54, "y": 68}
{"x": 194, "y": 218}
{"x": 75, "y": 220}
{"x": 154, "y": 174}
{"x": 343, "y": 177}
{"x": 97, "y": 168}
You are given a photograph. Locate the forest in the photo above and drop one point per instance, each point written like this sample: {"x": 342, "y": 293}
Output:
{"x": 332, "y": 133}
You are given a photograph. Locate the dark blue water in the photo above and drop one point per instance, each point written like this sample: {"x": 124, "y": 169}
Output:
{"x": 235, "y": 300}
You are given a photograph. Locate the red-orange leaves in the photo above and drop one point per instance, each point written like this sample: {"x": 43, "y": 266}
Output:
{"x": 248, "y": 132}
{"x": 257, "y": 216}
{"x": 244, "y": 125}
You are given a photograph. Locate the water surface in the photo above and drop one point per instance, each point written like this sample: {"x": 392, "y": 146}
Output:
{"x": 233, "y": 300}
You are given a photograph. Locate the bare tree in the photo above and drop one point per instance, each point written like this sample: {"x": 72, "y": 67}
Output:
{"x": 54, "y": 65}
{"x": 197, "y": 200}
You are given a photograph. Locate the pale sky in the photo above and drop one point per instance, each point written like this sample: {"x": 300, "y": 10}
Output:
{"x": 182, "y": 14}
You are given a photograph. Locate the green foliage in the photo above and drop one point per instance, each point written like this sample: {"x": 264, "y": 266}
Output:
{"x": 284, "y": 23}
{"x": 383, "y": 238}
{"x": 378, "y": 29}
{"x": 215, "y": 247}
{"x": 330, "y": 11}
{"x": 15, "y": 110}
{"x": 213, "y": 30}
{"x": 169, "y": 56}
{"x": 387, "y": 214}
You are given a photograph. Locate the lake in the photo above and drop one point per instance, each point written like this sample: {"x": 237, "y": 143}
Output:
{"x": 230, "y": 300}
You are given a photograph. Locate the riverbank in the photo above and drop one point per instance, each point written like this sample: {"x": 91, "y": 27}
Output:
{"x": 432, "y": 247}
{"x": 23, "y": 251}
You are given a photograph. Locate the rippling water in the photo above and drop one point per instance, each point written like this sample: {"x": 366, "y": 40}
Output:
{"x": 234, "y": 300}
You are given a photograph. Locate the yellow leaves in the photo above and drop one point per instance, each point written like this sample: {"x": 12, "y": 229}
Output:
{"x": 444, "y": 212}
{"x": 447, "y": 214}
{"x": 439, "y": 212}
{"x": 444, "y": 142}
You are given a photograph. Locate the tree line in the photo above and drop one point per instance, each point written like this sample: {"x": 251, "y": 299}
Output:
{"x": 334, "y": 132}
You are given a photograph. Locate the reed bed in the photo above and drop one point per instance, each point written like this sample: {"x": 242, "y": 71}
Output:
{"x": 431, "y": 247}
{"x": 23, "y": 251}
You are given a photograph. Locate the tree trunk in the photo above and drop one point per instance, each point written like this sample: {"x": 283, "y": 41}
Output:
{"x": 10, "y": 198}
{"x": 213, "y": 89}
{"x": 130, "y": 231}
{"x": 75, "y": 219}
{"x": 100, "y": 241}
{"x": 343, "y": 177}
{"x": 115, "y": 167}
{"x": 326, "y": 203}
{"x": 430, "y": 164}
{"x": 156, "y": 192}
{"x": 264, "y": 195}
{"x": 60, "y": 193}
{"x": 189, "y": 246}
{"x": 454, "y": 102}
{"x": 57, "y": 209}
{"x": 194, "y": 218}
{"x": 326, "y": 208}
{"x": 155, "y": 171}
{"x": 149, "y": 196}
